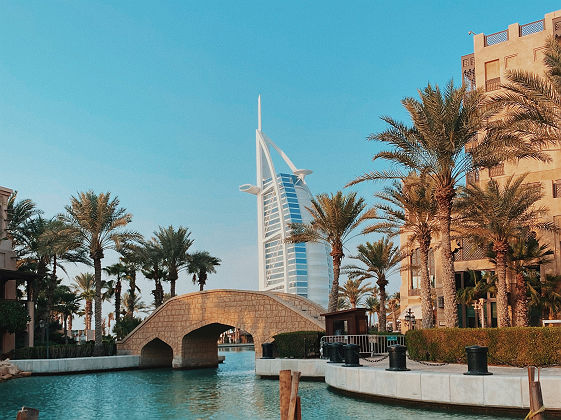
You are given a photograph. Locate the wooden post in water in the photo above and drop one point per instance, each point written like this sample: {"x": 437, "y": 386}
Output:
{"x": 536, "y": 401}
{"x": 293, "y": 395}
{"x": 27, "y": 413}
{"x": 298, "y": 409}
{"x": 285, "y": 387}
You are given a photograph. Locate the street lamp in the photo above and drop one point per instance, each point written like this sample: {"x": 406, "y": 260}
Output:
{"x": 410, "y": 319}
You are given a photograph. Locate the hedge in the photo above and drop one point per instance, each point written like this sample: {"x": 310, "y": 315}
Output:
{"x": 516, "y": 346}
{"x": 64, "y": 351}
{"x": 298, "y": 345}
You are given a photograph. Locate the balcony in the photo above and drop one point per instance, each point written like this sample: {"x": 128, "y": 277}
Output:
{"x": 532, "y": 27}
{"x": 497, "y": 170}
{"x": 496, "y": 38}
{"x": 493, "y": 84}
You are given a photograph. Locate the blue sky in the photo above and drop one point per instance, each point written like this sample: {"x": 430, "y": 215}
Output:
{"x": 156, "y": 101}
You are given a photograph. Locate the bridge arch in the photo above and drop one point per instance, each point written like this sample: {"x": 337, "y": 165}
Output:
{"x": 156, "y": 353}
{"x": 191, "y": 324}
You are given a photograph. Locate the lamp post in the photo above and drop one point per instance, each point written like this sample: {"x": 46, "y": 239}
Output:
{"x": 410, "y": 319}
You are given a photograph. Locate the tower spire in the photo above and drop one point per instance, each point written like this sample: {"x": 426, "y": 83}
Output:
{"x": 259, "y": 112}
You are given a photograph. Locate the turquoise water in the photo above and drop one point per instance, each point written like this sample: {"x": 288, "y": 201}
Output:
{"x": 230, "y": 392}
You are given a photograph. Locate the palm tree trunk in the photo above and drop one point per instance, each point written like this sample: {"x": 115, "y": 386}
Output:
{"x": 172, "y": 279}
{"x": 98, "y": 349}
{"x": 118, "y": 300}
{"x": 521, "y": 303}
{"x": 444, "y": 200}
{"x": 337, "y": 255}
{"x": 382, "y": 317}
{"x": 502, "y": 298}
{"x": 88, "y": 314}
{"x": 65, "y": 329}
{"x": 132, "y": 292}
{"x": 426, "y": 307}
{"x": 202, "y": 279}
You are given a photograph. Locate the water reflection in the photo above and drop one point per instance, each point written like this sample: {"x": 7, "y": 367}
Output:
{"x": 230, "y": 391}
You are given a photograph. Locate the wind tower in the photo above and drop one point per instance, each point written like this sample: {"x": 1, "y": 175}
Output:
{"x": 304, "y": 269}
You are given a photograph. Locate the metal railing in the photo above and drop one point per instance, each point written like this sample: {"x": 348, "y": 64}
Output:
{"x": 532, "y": 27}
{"x": 368, "y": 344}
{"x": 496, "y": 38}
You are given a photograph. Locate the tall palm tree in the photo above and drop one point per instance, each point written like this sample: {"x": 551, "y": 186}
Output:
{"x": 99, "y": 221}
{"x": 408, "y": 208}
{"x": 379, "y": 259}
{"x": 84, "y": 285}
{"x": 393, "y": 307}
{"x": 200, "y": 264}
{"x": 174, "y": 244}
{"x": 334, "y": 218}
{"x": 372, "y": 304}
{"x": 119, "y": 271}
{"x": 545, "y": 294}
{"x": 133, "y": 258}
{"x": 444, "y": 124}
{"x": 154, "y": 268}
{"x": 525, "y": 253}
{"x": 497, "y": 214}
{"x": 353, "y": 290}
{"x": 529, "y": 105}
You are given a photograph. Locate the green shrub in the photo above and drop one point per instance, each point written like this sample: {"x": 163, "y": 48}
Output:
{"x": 298, "y": 345}
{"x": 516, "y": 346}
{"x": 64, "y": 351}
{"x": 13, "y": 316}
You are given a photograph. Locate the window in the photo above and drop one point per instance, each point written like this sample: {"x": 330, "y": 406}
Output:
{"x": 497, "y": 170}
{"x": 557, "y": 188}
{"x": 492, "y": 75}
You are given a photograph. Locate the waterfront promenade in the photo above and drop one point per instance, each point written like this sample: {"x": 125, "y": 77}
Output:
{"x": 434, "y": 385}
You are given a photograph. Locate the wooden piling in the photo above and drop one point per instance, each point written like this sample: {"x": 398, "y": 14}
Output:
{"x": 285, "y": 383}
{"x": 298, "y": 409}
{"x": 27, "y": 413}
{"x": 536, "y": 401}
{"x": 293, "y": 395}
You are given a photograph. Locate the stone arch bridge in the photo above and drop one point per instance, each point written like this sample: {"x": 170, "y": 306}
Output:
{"x": 184, "y": 331}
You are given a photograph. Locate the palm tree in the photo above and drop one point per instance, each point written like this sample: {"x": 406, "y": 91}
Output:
{"x": 66, "y": 304}
{"x": 98, "y": 221}
{"x": 84, "y": 285}
{"x": 353, "y": 290}
{"x": 334, "y": 218}
{"x": 379, "y": 259}
{"x": 200, "y": 264}
{"x": 133, "y": 258}
{"x": 372, "y": 304}
{"x": 139, "y": 306}
{"x": 445, "y": 124}
{"x": 497, "y": 214}
{"x": 545, "y": 295}
{"x": 483, "y": 286}
{"x": 174, "y": 244}
{"x": 393, "y": 307}
{"x": 118, "y": 270}
{"x": 525, "y": 253}
{"x": 529, "y": 105}
{"x": 154, "y": 269}
{"x": 408, "y": 208}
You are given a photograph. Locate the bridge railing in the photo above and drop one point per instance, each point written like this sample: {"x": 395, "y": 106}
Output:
{"x": 370, "y": 344}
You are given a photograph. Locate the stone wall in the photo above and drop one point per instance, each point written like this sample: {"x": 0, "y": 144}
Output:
{"x": 191, "y": 324}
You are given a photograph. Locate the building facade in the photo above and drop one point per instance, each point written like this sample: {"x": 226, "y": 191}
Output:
{"x": 304, "y": 269}
{"x": 517, "y": 47}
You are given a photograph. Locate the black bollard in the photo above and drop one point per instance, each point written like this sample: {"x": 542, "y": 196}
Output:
{"x": 397, "y": 358}
{"x": 477, "y": 360}
{"x": 352, "y": 355}
{"x": 267, "y": 351}
{"x": 335, "y": 353}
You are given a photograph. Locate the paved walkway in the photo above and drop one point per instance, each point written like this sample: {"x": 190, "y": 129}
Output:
{"x": 458, "y": 368}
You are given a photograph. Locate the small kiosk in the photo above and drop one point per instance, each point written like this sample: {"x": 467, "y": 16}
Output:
{"x": 348, "y": 322}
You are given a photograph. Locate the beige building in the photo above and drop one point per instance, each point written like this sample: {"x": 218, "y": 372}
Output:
{"x": 9, "y": 278}
{"x": 517, "y": 47}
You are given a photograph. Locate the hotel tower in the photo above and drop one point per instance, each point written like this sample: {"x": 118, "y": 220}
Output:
{"x": 304, "y": 269}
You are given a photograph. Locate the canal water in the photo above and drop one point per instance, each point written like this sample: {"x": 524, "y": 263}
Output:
{"x": 229, "y": 392}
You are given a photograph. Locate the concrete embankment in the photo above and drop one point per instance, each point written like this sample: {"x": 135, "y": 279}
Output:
{"x": 445, "y": 385}
{"x": 77, "y": 364}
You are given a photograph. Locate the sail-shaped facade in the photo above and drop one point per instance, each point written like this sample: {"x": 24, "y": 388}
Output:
{"x": 304, "y": 269}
